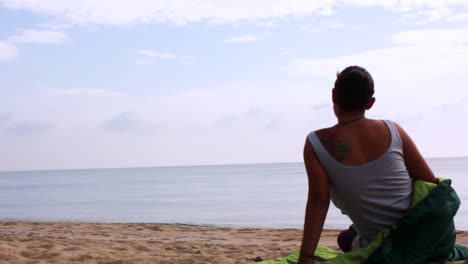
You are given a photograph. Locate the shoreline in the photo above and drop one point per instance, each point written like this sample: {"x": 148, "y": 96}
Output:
{"x": 118, "y": 243}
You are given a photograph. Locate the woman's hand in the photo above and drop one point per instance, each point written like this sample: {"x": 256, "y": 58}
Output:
{"x": 304, "y": 260}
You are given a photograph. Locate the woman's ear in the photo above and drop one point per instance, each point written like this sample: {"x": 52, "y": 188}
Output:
{"x": 371, "y": 103}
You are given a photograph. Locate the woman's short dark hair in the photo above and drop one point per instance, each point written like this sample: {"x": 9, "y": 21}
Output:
{"x": 354, "y": 88}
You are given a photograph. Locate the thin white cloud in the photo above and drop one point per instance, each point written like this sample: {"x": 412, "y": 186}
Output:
{"x": 147, "y": 56}
{"x": 318, "y": 27}
{"x": 242, "y": 39}
{"x": 34, "y": 36}
{"x": 426, "y": 16}
{"x": 253, "y": 112}
{"x": 7, "y": 51}
{"x": 396, "y": 61}
{"x": 252, "y": 117}
{"x": 55, "y": 26}
{"x": 30, "y": 127}
{"x": 267, "y": 24}
{"x": 196, "y": 94}
{"x": 129, "y": 122}
{"x": 436, "y": 14}
{"x": 309, "y": 28}
{"x": 288, "y": 53}
{"x": 321, "y": 106}
{"x": 431, "y": 37}
{"x": 462, "y": 16}
{"x": 334, "y": 24}
{"x": 123, "y": 12}
{"x": 275, "y": 123}
{"x": 358, "y": 27}
{"x": 155, "y": 55}
{"x": 422, "y": 53}
{"x": 408, "y": 5}
{"x": 16, "y": 126}
{"x": 5, "y": 119}
{"x": 85, "y": 92}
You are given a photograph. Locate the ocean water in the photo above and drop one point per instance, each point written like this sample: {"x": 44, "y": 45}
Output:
{"x": 259, "y": 195}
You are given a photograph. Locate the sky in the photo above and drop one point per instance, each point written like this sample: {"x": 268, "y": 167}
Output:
{"x": 133, "y": 83}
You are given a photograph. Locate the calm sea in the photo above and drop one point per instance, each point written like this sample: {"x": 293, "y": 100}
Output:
{"x": 260, "y": 195}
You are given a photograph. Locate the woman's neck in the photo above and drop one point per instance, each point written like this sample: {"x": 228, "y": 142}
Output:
{"x": 347, "y": 118}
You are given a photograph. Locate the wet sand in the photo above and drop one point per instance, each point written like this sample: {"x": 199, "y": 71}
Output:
{"x": 70, "y": 242}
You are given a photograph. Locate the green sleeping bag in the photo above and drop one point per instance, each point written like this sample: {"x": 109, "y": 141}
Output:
{"x": 426, "y": 234}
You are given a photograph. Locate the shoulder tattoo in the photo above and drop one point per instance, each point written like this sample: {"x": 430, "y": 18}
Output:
{"x": 337, "y": 146}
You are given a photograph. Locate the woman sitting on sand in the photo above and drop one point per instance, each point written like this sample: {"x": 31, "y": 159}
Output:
{"x": 365, "y": 166}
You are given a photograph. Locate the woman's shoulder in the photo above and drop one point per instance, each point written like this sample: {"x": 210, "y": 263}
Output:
{"x": 328, "y": 139}
{"x": 325, "y": 133}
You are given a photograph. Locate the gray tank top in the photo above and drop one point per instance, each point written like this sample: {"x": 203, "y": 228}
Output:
{"x": 374, "y": 195}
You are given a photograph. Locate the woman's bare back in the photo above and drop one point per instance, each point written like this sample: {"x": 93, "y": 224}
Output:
{"x": 356, "y": 143}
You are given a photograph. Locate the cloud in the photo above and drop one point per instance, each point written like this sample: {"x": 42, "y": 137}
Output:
{"x": 128, "y": 122}
{"x": 448, "y": 109}
{"x": 431, "y": 37}
{"x": 242, "y": 39}
{"x": 5, "y": 119}
{"x": 30, "y": 127}
{"x": 410, "y": 5}
{"x": 254, "y": 112}
{"x": 435, "y": 15}
{"x": 322, "y": 106}
{"x": 7, "y": 51}
{"x": 331, "y": 24}
{"x": 462, "y": 16}
{"x": 251, "y": 114}
{"x": 410, "y": 119}
{"x": 123, "y": 12}
{"x": 288, "y": 53}
{"x": 180, "y": 12}
{"x": 227, "y": 120}
{"x": 147, "y": 56}
{"x": 12, "y": 125}
{"x": 34, "y": 36}
{"x": 318, "y": 27}
{"x": 85, "y": 92}
{"x": 414, "y": 54}
{"x": 252, "y": 117}
{"x": 426, "y": 16}
{"x": 154, "y": 54}
{"x": 274, "y": 123}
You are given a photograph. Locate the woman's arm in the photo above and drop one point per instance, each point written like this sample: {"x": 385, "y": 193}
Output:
{"x": 414, "y": 161}
{"x": 318, "y": 201}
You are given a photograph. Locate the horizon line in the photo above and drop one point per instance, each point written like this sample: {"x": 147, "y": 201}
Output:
{"x": 193, "y": 165}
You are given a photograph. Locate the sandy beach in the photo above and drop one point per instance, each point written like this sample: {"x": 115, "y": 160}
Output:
{"x": 70, "y": 242}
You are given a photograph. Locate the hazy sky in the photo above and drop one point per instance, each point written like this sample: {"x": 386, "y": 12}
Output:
{"x": 123, "y": 83}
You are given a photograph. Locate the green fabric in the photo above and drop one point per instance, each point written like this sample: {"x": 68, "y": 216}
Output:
{"x": 334, "y": 256}
{"x": 421, "y": 190}
{"x": 417, "y": 236}
{"x": 426, "y": 233}
{"x": 322, "y": 251}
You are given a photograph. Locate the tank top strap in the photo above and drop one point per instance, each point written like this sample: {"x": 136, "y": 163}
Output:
{"x": 322, "y": 154}
{"x": 395, "y": 136}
